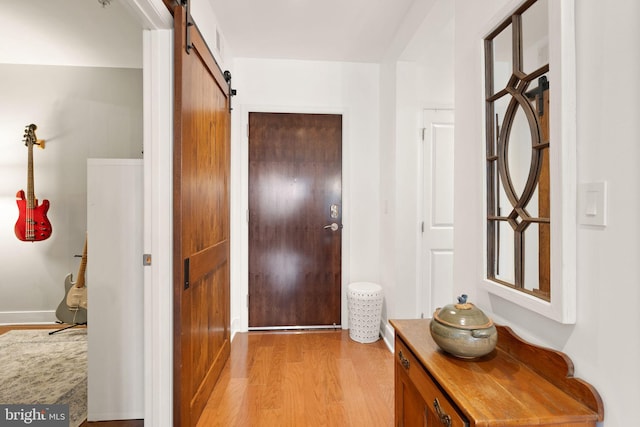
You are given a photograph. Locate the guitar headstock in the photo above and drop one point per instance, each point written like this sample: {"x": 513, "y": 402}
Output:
{"x": 30, "y": 138}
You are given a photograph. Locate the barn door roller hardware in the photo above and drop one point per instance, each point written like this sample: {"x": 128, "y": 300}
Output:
{"x": 187, "y": 5}
{"x": 232, "y": 92}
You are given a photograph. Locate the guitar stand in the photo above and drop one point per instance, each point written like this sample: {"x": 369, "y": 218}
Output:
{"x": 66, "y": 327}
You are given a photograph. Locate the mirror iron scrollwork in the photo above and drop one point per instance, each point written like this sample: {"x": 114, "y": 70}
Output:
{"x": 522, "y": 141}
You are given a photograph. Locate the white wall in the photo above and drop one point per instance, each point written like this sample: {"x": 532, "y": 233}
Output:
{"x": 69, "y": 32}
{"x": 417, "y": 73}
{"x": 349, "y": 89}
{"x": 603, "y": 343}
{"x": 387, "y": 194}
{"x": 81, "y": 112}
{"x": 407, "y": 188}
{"x": 206, "y": 20}
{"x": 73, "y": 69}
{"x": 115, "y": 315}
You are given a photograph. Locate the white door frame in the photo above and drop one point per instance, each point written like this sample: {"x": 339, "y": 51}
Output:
{"x": 158, "y": 231}
{"x": 242, "y": 324}
{"x": 158, "y": 226}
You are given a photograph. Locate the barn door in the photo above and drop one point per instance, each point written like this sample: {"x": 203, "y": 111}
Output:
{"x": 201, "y": 222}
{"x": 295, "y": 219}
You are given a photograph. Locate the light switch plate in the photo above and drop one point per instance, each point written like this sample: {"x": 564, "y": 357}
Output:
{"x": 592, "y": 204}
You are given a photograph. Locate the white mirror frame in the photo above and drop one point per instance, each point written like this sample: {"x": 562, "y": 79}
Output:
{"x": 562, "y": 168}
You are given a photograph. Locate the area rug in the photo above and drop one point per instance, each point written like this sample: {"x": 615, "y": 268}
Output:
{"x": 38, "y": 368}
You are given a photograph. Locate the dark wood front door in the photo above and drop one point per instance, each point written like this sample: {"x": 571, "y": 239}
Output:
{"x": 201, "y": 223}
{"x": 295, "y": 194}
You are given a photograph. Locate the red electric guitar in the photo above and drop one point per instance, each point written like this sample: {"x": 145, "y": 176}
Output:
{"x": 33, "y": 224}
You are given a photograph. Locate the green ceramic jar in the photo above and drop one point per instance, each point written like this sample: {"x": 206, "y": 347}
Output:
{"x": 463, "y": 330}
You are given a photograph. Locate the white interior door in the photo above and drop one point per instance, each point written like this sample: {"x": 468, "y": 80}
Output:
{"x": 437, "y": 236}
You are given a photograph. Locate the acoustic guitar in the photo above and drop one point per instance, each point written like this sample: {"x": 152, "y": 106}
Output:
{"x": 33, "y": 224}
{"x": 73, "y": 307}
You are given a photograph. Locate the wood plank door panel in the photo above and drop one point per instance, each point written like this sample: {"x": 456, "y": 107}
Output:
{"x": 295, "y": 177}
{"x": 201, "y": 223}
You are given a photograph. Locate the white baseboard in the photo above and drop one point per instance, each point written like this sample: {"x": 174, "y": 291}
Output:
{"x": 27, "y": 317}
{"x": 235, "y": 327}
{"x": 388, "y": 335}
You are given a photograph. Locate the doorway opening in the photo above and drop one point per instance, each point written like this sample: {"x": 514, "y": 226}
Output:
{"x": 295, "y": 220}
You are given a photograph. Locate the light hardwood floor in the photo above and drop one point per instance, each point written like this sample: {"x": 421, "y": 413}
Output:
{"x": 318, "y": 378}
{"x": 303, "y": 379}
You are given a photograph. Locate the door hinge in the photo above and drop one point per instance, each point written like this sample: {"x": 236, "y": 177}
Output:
{"x": 424, "y": 130}
{"x": 422, "y": 226}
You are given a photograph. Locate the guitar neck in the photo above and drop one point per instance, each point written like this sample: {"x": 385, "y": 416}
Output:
{"x": 83, "y": 265}
{"x": 31, "y": 197}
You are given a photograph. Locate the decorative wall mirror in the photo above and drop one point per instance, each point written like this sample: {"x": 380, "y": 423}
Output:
{"x": 530, "y": 157}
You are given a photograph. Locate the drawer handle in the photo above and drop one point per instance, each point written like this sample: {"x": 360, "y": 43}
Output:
{"x": 444, "y": 418}
{"x": 403, "y": 360}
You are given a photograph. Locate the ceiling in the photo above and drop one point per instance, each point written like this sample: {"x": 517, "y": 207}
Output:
{"x": 69, "y": 32}
{"x": 81, "y": 32}
{"x": 330, "y": 30}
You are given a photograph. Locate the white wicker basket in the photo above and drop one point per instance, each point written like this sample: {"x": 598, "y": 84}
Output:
{"x": 365, "y": 310}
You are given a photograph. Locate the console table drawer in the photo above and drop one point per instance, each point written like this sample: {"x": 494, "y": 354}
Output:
{"x": 437, "y": 405}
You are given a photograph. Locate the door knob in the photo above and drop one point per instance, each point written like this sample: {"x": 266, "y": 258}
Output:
{"x": 333, "y": 226}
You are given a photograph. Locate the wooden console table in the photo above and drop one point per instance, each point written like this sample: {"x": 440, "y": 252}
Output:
{"x": 518, "y": 384}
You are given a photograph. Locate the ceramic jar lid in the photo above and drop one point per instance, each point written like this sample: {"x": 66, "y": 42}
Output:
{"x": 463, "y": 315}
